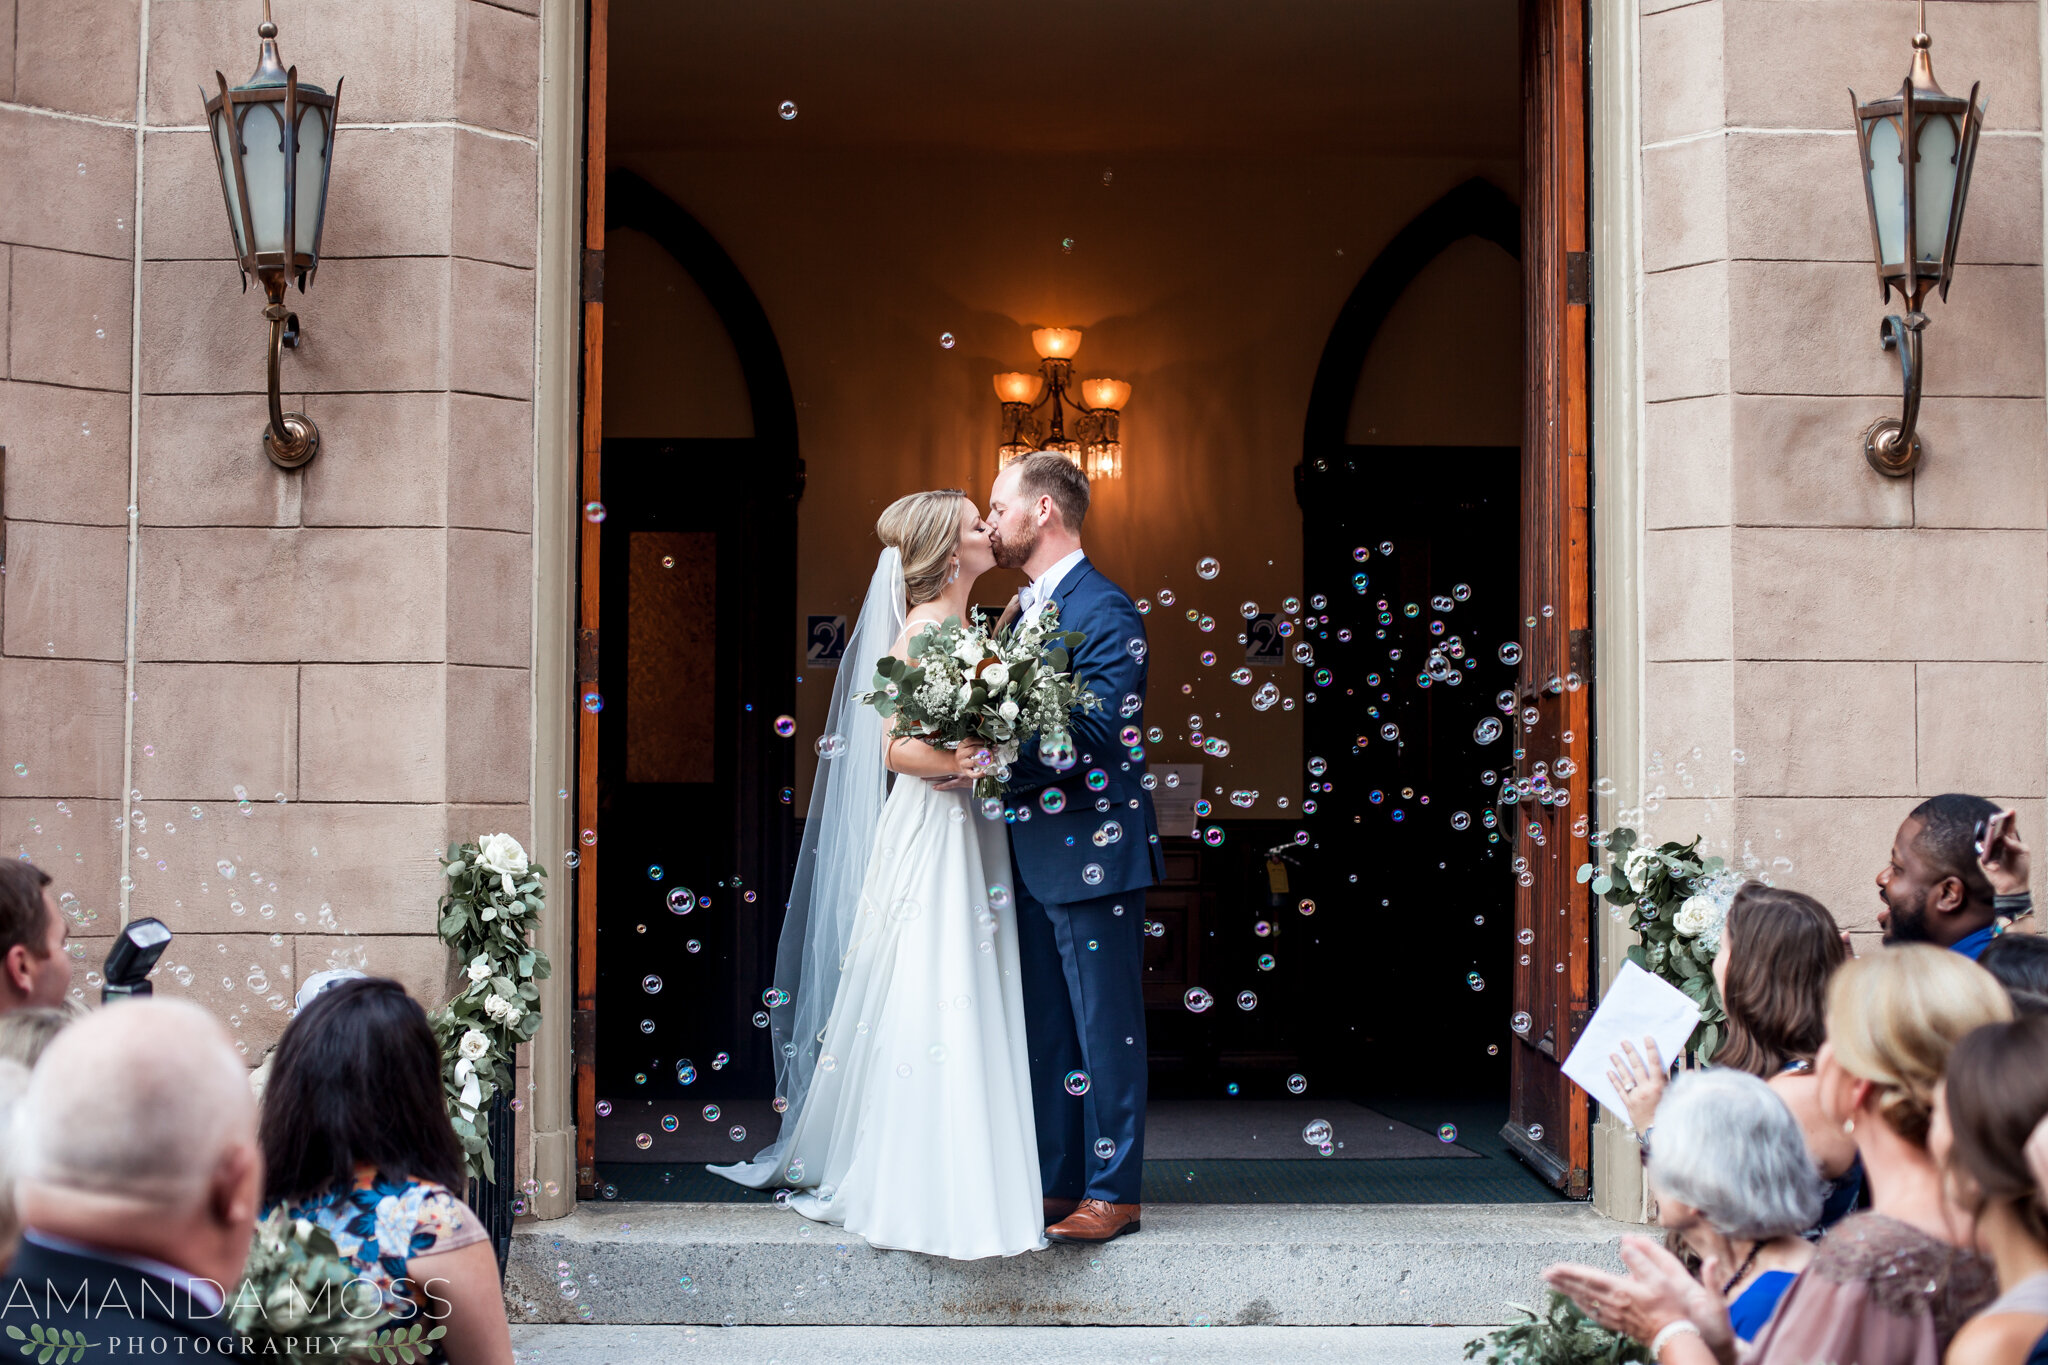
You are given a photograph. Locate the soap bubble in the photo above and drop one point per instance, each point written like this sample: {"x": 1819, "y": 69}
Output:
{"x": 1316, "y": 1133}
{"x": 1246, "y": 1000}
{"x": 1307, "y": 906}
{"x": 1447, "y": 1132}
{"x": 1266, "y": 963}
{"x": 654, "y": 873}
{"x": 1166, "y": 597}
{"x": 785, "y": 726}
{"x": 1207, "y": 567}
{"x": 1521, "y": 1023}
{"x": 1197, "y": 1000}
{"x": 1077, "y": 1083}
{"x": 737, "y": 1133}
{"x": 1105, "y": 1148}
{"x": 1390, "y": 732}
{"x": 1317, "y": 767}
{"x": 1462, "y": 592}
{"x": 1247, "y": 610}
{"x": 681, "y": 901}
{"x": 998, "y": 896}
{"x": 1511, "y": 653}
{"x": 1535, "y": 1132}
{"x": 1487, "y": 731}
{"x": 1092, "y": 874}
{"x": 604, "y": 1108}
{"x": 1297, "y": 1083}
{"x": 651, "y": 984}
{"x": 831, "y": 746}
{"x": 1052, "y": 800}
{"x": 787, "y": 109}
{"x": 1475, "y": 981}
{"x": 593, "y": 512}
{"x": 1460, "y": 820}
{"x": 946, "y": 340}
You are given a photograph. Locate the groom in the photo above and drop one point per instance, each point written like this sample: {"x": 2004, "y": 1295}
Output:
{"x": 1083, "y": 859}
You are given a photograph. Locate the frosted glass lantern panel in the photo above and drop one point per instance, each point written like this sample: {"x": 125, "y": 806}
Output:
{"x": 1888, "y": 191}
{"x": 314, "y": 143}
{"x": 224, "y": 153}
{"x": 1934, "y": 186}
{"x": 263, "y": 168}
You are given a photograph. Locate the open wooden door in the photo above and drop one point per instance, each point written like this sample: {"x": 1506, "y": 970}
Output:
{"x": 583, "y": 1031}
{"x": 1549, "y": 1119}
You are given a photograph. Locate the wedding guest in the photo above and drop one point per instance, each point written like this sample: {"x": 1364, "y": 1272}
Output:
{"x": 13, "y": 1082}
{"x": 2020, "y": 962}
{"x": 1733, "y": 1180}
{"x": 1995, "y": 1091}
{"x": 1887, "y": 1287}
{"x": 137, "y": 1179}
{"x": 25, "y": 1033}
{"x": 1933, "y": 886}
{"x": 356, "y": 1139}
{"x": 1779, "y": 949}
{"x": 34, "y": 969}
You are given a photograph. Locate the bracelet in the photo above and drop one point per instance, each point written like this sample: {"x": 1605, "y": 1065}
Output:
{"x": 1672, "y": 1331}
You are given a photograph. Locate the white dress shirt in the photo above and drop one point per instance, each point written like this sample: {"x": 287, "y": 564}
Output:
{"x": 1039, "y": 590}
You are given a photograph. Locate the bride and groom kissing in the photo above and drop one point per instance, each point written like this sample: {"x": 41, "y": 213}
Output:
{"x": 958, "y": 1007}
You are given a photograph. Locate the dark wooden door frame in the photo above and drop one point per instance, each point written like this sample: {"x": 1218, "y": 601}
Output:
{"x": 617, "y": 199}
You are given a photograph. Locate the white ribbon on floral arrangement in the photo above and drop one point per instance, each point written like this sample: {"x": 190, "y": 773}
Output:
{"x": 474, "y": 1045}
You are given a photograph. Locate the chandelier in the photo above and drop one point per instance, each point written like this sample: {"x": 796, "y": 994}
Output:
{"x": 1035, "y": 409}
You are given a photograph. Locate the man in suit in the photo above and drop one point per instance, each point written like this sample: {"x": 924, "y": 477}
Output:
{"x": 1086, "y": 845}
{"x": 34, "y": 968}
{"x": 140, "y": 1177}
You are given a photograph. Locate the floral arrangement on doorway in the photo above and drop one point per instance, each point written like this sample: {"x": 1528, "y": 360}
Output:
{"x": 299, "y": 1302}
{"x": 1677, "y": 903}
{"x": 493, "y": 903}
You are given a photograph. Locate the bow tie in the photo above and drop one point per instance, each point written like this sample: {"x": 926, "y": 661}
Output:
{"x": 1027, "y": 599}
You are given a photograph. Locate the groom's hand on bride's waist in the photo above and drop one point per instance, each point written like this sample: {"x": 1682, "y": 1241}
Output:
{"x": 957, "y": 782}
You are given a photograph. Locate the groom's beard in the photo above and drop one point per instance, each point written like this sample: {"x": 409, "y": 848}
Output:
{"x": 1012, "y": 554}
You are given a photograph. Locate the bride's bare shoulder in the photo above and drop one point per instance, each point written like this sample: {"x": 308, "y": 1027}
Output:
{"x": 911, "y": 627}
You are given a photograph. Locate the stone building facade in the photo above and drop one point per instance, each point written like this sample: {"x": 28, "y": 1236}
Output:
{"x": 257, "y": 703}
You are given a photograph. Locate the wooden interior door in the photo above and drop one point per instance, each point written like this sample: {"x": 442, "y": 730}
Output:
{"x": 583, "y": 1028}
{"x": 1550, "y": 1119}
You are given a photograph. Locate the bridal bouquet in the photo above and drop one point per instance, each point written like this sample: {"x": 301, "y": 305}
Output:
{"x": 966, "y": 684}
{"x": 1678, "y": 902}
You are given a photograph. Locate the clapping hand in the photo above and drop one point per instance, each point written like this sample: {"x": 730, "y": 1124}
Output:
{"x": 1654, "y": 1294}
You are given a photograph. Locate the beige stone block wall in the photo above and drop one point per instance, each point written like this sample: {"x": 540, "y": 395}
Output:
{"x": 1823, "y": 646}
{"x": 256, "y": 703}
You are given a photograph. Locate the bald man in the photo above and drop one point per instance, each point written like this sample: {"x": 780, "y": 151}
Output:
{"x": 139, "y": 1179}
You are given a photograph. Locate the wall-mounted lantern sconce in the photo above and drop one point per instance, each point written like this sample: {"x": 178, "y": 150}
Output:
{"x": 1917, "y": 147}
{"x": 273, "y": 138}
{"x": 1098, "y": 408}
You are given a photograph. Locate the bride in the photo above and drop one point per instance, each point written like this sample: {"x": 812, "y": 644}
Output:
{"x": 897, "y": 1014}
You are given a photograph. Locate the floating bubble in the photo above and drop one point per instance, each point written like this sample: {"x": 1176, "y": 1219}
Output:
{"x": 1317, "y": 1132}
{"x": 787, "y": 109}
{"x": 1092, "y": 874}
{"x": 1511, "y": 653}
{"x": 1077, "y": 1083}
{"x": 1297, "y": 1083}
{"x": 604, "y": 1108}
{"x": 1207, "y": 567}
{"x": 1521, "y": 1023}
{"x": 1447, "y": 1132}
{"x": 1213, "y": 836}
{"x": 946, "y": 340}
{"x": 1475, "y": 981}
{"x": 1197, "y": 1000}
{"x": 1246, "y": 1000}
{"x": 1052, "y": 800}
{"x": 651, "y": 984}
{"x": 831, "y": 745}
{"x": 1105, "y": 1148}
{"x": 654, "y": 873}
{"x": 1390, "y": 732}
{"x": 737, "y": 1133}
{"x": 593, "y": 512}
{"x": 1535, "y": 1132}
{"x": 1462, "y": 592}
{"x": 785, "y": 726}
{"x": 1460, "y": 820}
{"x": 1487, "y": 731}
{"x": 1166, "y": 597}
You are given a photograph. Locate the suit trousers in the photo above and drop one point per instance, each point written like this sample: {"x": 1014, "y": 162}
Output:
{"x": 1083, "y": 966}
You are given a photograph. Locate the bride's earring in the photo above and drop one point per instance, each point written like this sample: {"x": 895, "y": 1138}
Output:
{"x": 954, "y": 577}
{"x": 1848, "y": 1125}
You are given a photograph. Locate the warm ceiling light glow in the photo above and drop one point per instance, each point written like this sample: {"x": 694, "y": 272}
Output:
{"x": 1106, "y": 393}
{"x": 1057, "y": 343}
{"x": 1018, "y": 387}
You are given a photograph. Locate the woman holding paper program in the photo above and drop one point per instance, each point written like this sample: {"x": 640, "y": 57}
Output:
{"x": 1779, "y": 949}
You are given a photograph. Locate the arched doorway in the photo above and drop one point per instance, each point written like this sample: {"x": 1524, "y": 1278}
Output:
{"x": 1409, "y": 485}
{"x": 696, "y": 582}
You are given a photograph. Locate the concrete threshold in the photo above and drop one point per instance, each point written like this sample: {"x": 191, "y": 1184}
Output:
{"x": 1194, "y": 1265}
{"x": 584, "y": 1345}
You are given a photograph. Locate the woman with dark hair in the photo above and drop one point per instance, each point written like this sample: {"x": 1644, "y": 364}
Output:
{"x": 356, "y": 1139}
{"x": 1779, "y": 950}
{"x": 1995, "y": 1091}
{"x": 2020, "y": 962}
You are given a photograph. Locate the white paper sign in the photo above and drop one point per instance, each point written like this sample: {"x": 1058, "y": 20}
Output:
{"x": 1637, "y": 1006}
{"x": 1173, "y": 800}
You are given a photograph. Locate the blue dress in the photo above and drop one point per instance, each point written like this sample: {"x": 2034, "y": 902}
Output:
{"x": 1753, "y": 1306}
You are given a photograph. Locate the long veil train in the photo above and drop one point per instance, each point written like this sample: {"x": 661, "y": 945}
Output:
{"x": 847, "y": 796}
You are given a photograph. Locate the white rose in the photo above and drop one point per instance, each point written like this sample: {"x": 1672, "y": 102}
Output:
{"x": 966, "y": 691}
{"x": 995, "y": 677}
{"x": 496, "y": 1005}
{"x": 1008, "y": 711}
{"x": 480, "y": 968}
{"x": 1635, "y": 868}
{"x": 474, "y": 1046}
{"x": 501, "y": 854}
{"x": 968, "y": 651}
{"x": 1693, "y": 916}
{"x": 513, "y": 1014}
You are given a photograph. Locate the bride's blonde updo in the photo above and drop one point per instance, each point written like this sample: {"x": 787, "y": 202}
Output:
{"x": 925, "y": 529}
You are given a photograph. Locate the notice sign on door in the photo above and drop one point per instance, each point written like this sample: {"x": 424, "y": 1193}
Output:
{"x": 824, "y": 641}
{"x": 1263, "y": 644}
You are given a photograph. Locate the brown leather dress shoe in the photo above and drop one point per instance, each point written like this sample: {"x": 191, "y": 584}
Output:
{"x": 1057, "y": 1208}
{"x": 1095, "y": 1221}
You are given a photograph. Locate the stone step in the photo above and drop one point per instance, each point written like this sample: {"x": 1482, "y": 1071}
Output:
{"x": 591, "y": 1345}
{"x": 1194, "y": 1265}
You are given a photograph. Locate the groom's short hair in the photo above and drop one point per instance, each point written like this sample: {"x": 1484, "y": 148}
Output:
{"x": 1047, "y": 473}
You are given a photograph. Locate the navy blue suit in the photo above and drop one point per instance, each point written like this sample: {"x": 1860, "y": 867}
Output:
{"x": 1081, "y": 909}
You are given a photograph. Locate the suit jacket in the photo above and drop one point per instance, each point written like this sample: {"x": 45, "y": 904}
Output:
{"x": 1054, "y": 850}
{"x": 115, "y": 1312}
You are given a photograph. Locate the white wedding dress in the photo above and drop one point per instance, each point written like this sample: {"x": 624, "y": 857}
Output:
{"x": 910, "y": 1119}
